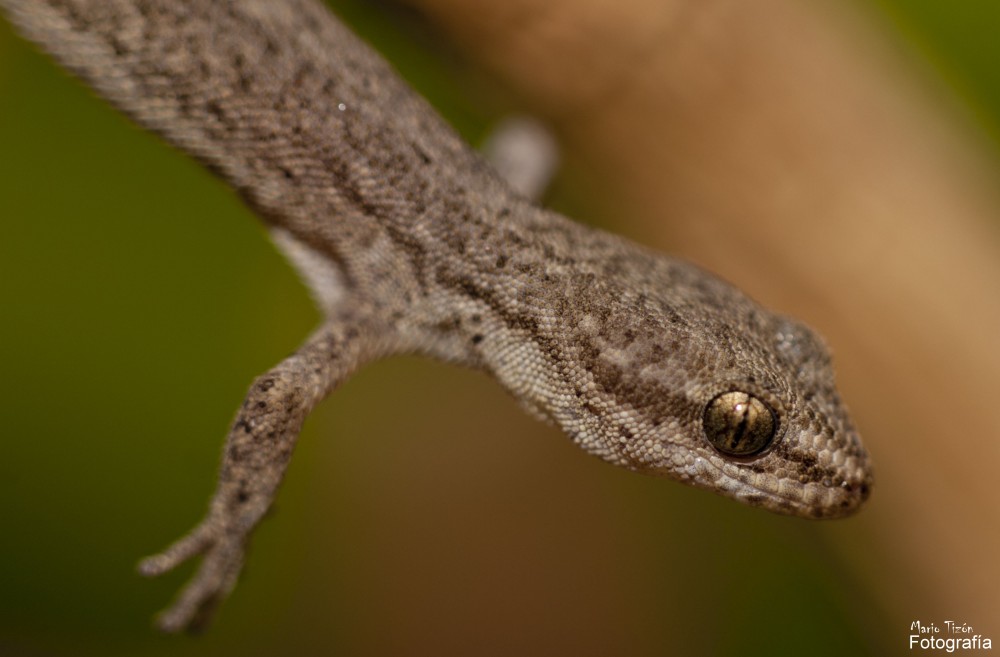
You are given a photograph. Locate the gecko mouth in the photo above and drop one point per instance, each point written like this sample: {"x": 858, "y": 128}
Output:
{"x": 785, "y": 494}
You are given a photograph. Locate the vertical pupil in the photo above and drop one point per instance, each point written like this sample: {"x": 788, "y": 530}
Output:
{"x": 740, "y": 433}
{"x": 739, "y": 424}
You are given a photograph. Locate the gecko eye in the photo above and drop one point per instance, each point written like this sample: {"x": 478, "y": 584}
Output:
{"x": 739, "y": 424}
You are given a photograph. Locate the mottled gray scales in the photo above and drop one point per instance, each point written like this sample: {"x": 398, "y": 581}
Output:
{"x": 411, "y": 243}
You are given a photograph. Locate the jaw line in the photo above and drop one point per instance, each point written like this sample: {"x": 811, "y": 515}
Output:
{"x": 711, "y": 477}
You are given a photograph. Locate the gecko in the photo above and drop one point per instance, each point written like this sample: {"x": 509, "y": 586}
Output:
{"x": 411, "y": 243}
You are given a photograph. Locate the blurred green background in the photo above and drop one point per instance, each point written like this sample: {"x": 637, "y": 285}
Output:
{"x": 138, "y": 299}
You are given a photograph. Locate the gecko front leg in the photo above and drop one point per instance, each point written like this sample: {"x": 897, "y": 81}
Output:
{"x": 644, "y": 360}
{"x": 257, "y": 451}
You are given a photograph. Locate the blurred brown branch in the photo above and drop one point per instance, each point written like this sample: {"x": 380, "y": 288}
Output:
{"x": 787, "y": 147}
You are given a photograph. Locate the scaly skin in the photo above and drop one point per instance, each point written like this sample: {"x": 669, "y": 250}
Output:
{"x": 411, "y": 243}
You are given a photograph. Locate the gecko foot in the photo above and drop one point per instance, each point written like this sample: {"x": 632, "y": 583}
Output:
{"x": 223, "y": 552}
{"x": 258, "y": 448}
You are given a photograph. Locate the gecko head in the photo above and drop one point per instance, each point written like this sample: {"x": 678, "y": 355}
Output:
{"x": 792, "y": 453}
{"x": 773, "y": 431}
{"x": 752, "y": 414}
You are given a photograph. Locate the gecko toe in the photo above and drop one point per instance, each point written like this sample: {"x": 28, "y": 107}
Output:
{"x": 194, "y": 607}
{"x": 196, "y": 542}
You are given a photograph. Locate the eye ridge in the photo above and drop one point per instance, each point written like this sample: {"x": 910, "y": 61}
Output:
{"x": 739, "y": 424}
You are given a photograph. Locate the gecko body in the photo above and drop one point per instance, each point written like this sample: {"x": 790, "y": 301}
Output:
{"x": 411, "y": 243}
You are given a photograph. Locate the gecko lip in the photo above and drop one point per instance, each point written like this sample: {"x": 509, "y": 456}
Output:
{"x": 811, "y": 499}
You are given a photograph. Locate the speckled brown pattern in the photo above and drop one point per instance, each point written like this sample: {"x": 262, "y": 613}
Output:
{"x": 412, "y": 243}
